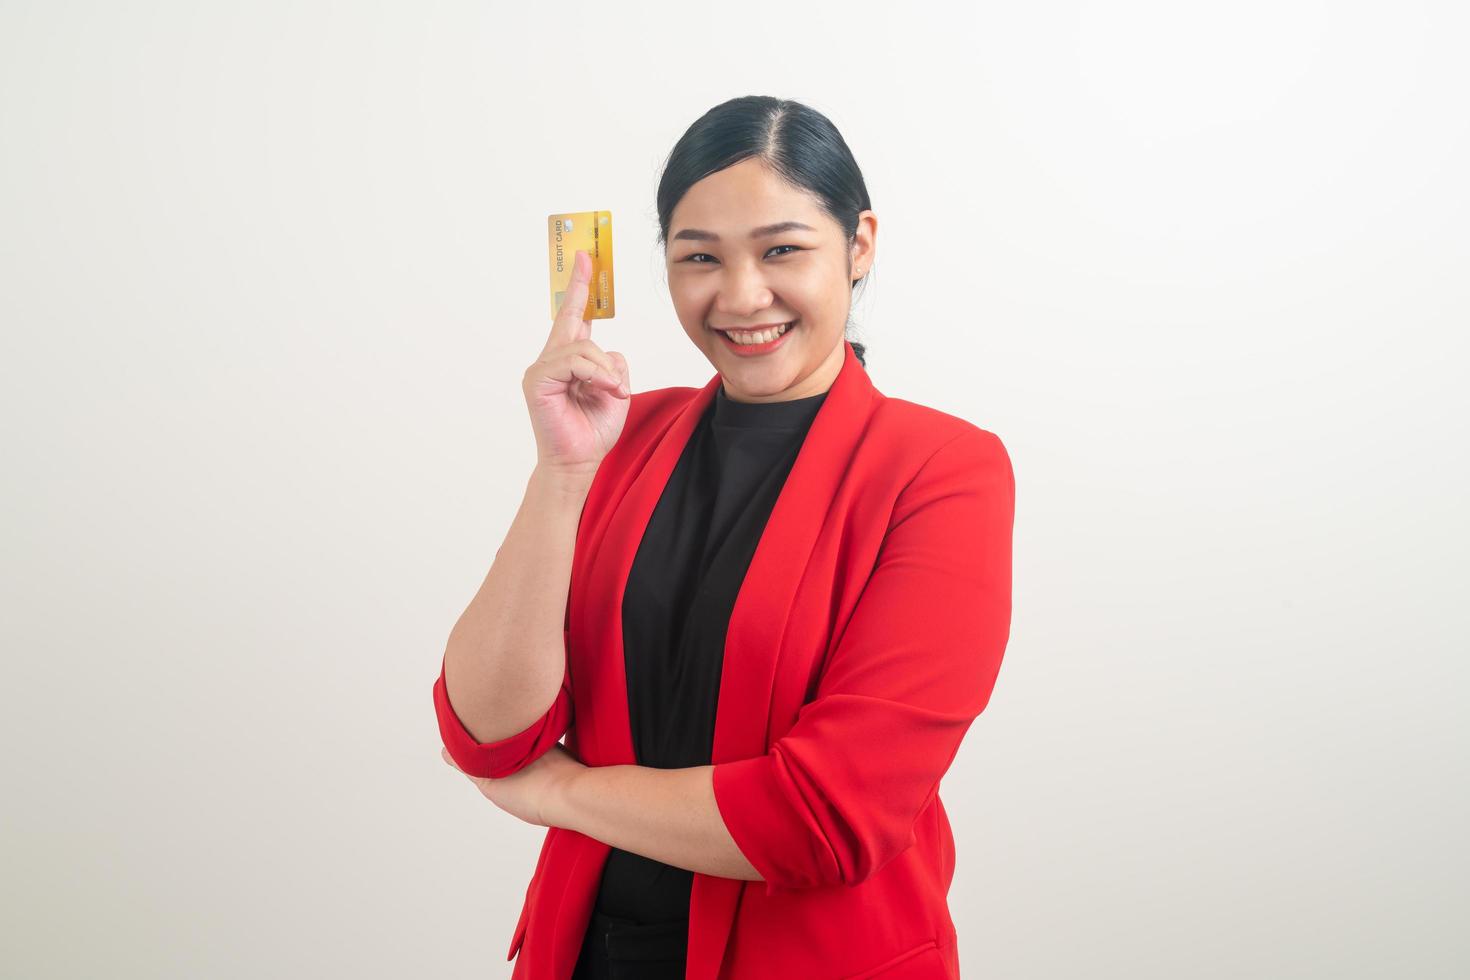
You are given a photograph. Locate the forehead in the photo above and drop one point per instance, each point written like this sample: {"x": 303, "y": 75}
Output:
{"x": 742, "y": 197}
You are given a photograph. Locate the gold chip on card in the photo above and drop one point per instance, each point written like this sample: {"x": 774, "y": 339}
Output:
{"x": 590, "y": 232}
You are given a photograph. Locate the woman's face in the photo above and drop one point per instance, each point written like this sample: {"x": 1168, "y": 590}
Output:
{"x": 727, "y": 268}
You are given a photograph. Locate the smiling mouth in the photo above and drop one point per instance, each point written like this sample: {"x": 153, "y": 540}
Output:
{"x": 752, "y": 338}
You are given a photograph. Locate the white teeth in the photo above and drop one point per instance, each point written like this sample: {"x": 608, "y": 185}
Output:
{"x": 757, "y": 337}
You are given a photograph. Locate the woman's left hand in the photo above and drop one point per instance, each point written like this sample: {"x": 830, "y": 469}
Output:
{"x": 533, "y": 794}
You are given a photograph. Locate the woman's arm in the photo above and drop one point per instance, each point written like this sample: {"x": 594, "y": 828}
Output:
{"x": 506, "y": 656}
{"x": 668, "y": 815}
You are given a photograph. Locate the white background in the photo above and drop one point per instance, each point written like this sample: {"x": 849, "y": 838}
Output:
{"x": 269, "y": 276}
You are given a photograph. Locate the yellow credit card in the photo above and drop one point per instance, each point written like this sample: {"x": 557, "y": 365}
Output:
{"x": 590, "y": 232}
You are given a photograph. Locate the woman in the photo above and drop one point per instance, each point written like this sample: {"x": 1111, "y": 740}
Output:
{"x": 784, "y": 597}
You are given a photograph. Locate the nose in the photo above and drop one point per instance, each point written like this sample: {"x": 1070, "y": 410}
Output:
{"x": 742, "y": 292}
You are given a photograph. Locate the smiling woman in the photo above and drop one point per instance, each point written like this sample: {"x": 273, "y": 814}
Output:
{"x": 789, "y": 597}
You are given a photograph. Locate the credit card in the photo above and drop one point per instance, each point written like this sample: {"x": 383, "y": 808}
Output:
{"x": 590, "y": 232}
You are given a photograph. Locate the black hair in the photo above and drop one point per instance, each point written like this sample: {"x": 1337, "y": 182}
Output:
{"x": 795, "y": 141}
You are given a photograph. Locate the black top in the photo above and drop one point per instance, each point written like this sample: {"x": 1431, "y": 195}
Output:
{"x": 676, "y": 607}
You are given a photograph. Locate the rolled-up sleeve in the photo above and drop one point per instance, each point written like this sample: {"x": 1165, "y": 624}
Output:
{"x": 838, "y": 796}
{"x": 509, "y": 755}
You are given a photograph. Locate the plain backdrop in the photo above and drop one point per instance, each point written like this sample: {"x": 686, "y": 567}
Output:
{"x": 270, "y": 274}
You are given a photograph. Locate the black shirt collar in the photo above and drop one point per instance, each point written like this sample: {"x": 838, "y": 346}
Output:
{"x": 794, "y": 413}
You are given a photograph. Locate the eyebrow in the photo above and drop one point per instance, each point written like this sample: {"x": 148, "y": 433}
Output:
{"x": 698, "y": 235}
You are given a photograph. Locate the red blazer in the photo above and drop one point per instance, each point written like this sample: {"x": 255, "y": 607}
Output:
{"x": 865, "y": 639}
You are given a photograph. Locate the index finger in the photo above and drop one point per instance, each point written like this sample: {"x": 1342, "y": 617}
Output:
{"x": 570, "y": 324}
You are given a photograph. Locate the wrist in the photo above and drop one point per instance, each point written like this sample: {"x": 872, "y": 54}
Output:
{"x": 568, "y": 483}
{"x": 562, "y": 804}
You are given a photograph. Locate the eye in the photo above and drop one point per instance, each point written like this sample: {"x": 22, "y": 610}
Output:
{"x": 773, "y": 248}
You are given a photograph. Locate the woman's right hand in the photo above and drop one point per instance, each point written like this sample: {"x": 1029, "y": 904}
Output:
{"x": 577, "y": 393}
